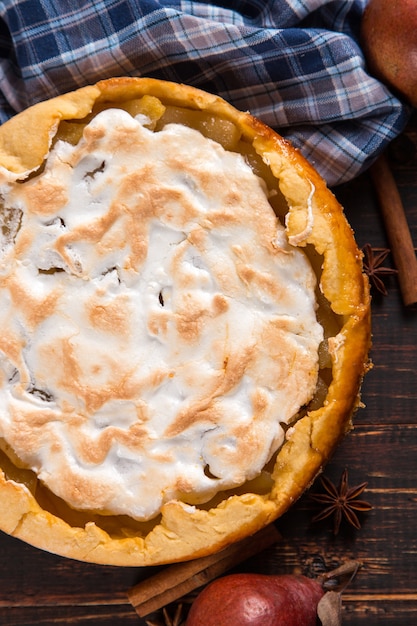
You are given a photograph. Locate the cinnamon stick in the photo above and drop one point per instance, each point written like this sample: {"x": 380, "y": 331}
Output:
{"x": 396, "y": 225}
{"x": 180, "y": 579}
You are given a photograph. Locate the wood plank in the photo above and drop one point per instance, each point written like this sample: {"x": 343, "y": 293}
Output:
{"x": 41, "y": 589}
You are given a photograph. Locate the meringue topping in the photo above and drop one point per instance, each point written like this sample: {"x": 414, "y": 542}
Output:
{"x": 158, "y": 329}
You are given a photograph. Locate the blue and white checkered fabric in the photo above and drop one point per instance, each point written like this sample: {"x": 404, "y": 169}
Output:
{"x": 295, "y": 64}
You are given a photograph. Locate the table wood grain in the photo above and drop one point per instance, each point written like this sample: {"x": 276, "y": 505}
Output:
{"x": 42, "y": 589}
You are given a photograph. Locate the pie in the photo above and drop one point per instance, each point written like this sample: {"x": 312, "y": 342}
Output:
{"x": 185, "y": 324}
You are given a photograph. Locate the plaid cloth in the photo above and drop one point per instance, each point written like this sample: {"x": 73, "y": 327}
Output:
{"x": 296, "y": 64}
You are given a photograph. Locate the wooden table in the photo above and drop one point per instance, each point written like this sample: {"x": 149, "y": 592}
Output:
{"x": 40, "y": 588}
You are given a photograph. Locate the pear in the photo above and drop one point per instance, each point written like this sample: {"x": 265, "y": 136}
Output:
{"x": 389, "y": 42}
{"x": 257, "y": 600}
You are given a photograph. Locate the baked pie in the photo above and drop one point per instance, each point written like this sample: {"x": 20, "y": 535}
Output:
{"x": 185, "y": 324}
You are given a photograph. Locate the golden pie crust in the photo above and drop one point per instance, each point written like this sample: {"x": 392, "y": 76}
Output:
{"x": 315, "y": 222}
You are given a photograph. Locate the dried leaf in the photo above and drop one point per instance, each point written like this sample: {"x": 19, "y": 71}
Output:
{"x": 329, "y": 609}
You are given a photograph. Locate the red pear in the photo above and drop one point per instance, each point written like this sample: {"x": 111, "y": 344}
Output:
{"x": 389, "y": 41}
{"x": 257, "y": 600}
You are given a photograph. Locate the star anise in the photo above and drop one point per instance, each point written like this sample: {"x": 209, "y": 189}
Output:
{"x": 340, "y": 502}
{"x": 372, "y": 265}
{"x": 167, "y": 619}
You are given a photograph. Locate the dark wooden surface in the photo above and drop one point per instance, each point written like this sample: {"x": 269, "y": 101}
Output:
{"x": 40, "y": 588}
